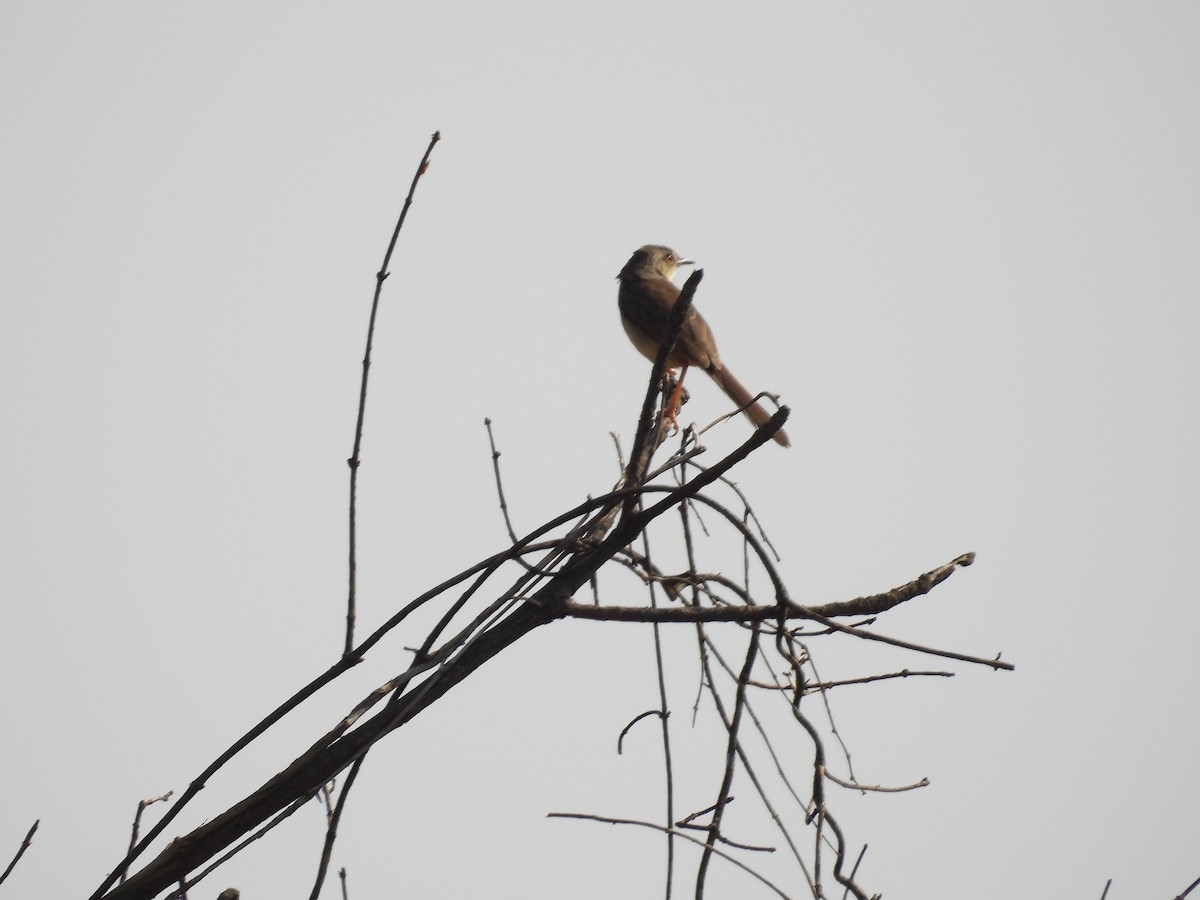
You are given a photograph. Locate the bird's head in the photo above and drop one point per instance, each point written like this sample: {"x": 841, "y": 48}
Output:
{"x": 653, "y": 261}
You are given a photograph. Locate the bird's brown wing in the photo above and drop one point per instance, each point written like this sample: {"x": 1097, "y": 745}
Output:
{"x": 698, "y": 342}
{"x": 646, "y": 306}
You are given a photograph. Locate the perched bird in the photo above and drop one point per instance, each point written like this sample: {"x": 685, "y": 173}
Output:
{"x": 646, "y": 297}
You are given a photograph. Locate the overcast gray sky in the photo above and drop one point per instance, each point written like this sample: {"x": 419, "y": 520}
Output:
{"x": 960, "y": 240}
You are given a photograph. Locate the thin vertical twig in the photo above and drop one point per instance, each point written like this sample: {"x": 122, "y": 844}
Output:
{"x": 749, "y": 769}
{"x": 714, "y": 826}
{"x": 664, "y": 716}
{"x": 355, "y": 458}
{"x": 854, "y": 871}
{"x": 334, "y": 816}
{"x": 512, "y": 534}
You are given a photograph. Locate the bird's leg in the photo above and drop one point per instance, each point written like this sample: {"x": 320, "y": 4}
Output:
{"x": 672, "y": 409}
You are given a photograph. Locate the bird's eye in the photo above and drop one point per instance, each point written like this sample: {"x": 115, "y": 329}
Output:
{"x": 670, "y": 257}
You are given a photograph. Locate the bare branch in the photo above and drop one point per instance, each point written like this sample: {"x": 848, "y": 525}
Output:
{"x": 896, "y": 642}
{"x": 137, "y": 819}
{"x": 812, "y": 663}
{"x": 846, "y": 881}
{"x": 21, "y": 850}
{"x": 854, "y": 871}
{"x": 860, "y": 606}
{"x": 331, "y": 829}
{"x": 867, "y": 679}
{"x": 664, "y": 723}
{"x": 877, "y": 603}
{"x": 355, "y": 457}
{"x": 710, "y": 648}
{"x": 924, "y": 782}
{"x": 739, "y": 705}
{"x": 636, "y": 719}
{"x": 487, "y": 422}
{"x": 238, "y": 848}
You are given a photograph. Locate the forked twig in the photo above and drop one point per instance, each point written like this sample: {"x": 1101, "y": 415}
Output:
{"x": 137, "y": 819}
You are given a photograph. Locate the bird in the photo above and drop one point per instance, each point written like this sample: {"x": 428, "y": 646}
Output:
{"x": 645, "y": 297}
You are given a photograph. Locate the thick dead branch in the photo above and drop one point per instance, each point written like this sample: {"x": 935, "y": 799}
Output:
{"x": 453, "y": 663}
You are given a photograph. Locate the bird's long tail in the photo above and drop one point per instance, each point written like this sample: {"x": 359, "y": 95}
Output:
{"x": 737, "y": 392}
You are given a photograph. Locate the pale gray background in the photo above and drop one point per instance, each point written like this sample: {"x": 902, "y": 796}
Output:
{"x": 959, "y": 239}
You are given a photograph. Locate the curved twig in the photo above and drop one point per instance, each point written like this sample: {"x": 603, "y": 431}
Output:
{"x": 624, "y": 731}
{"x": 877, "y": 788}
